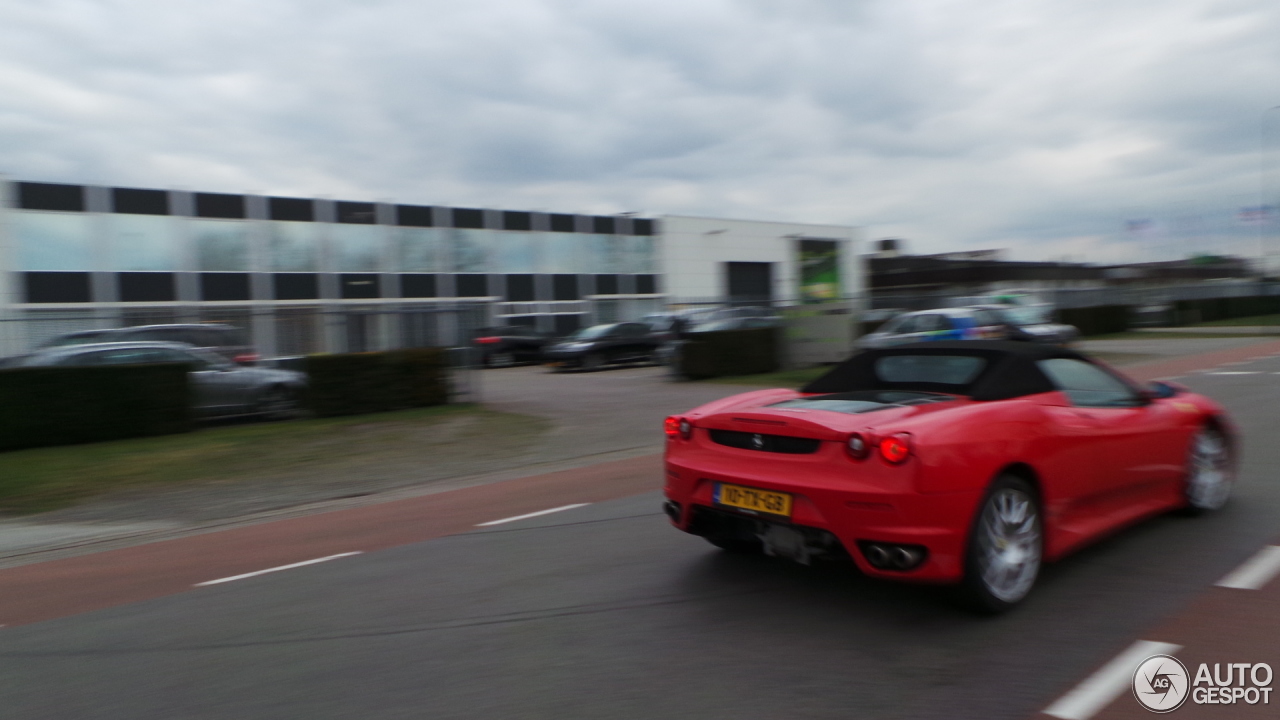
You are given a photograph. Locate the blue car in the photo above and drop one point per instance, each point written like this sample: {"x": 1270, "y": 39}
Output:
{"x": 966, "y": 323}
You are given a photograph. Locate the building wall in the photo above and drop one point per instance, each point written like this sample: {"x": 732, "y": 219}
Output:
{"x": 305, "y": 275}
{"x": 74, "y": 257}
{"x": 694, "y": 251}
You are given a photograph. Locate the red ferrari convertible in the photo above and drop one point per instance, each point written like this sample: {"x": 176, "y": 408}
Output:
{"x": 947, "y": 462}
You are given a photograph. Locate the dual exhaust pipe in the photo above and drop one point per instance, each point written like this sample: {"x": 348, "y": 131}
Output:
{"x": 891, "y": 556}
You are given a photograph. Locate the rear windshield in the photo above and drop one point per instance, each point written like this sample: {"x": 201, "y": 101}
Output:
{"x": 860, "y": 401}
{"x": 77, "y": 339}
{"x": 943, "y": 369}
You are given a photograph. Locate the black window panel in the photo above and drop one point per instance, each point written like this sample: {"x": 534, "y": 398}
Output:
{"x": 219, "y": 205}
{"x": 146, "y": 287}
{"x": 418, "y": 285}
{"x": 139, "y": 202}
{"x": 565, "y": 287}
{"x": 50, "y": 196}
{"x": 296, "y": 286}
{"x": 356, "y": 212}
{"x": 414, "y": 216}
{"x": 520, "y": 288}
{"x": 515, "y": 220}
{"x": 359, "y": 286}
{"x": 471, "y": 285}
{"x": 522, "y": 321}
{"x": 646, "y": 284}
{"x": 641, "y": 226}
{"x": 301, "y": 209}
{"x": 602, "y": 225}
{"x": 562, "y": 223}
{"x": 750, "y": 280}
{"x": 468, "y": 218}
{"x": 224, "y": 286}
{"x": 566, "y": 324}
{"x": 606, "y": 284}
{"x": 57, "y": 287}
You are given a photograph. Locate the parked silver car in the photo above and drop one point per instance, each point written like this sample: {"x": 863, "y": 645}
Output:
{"x": 219, "y": 387}
{"x": 227, "y": 340}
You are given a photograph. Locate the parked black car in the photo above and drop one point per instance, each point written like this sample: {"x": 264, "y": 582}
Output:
{"x": 499, "y": 346}
{"x": 598, "y": 345}
{"x": 218, "y": 386}
{"x": 227, "y": 340}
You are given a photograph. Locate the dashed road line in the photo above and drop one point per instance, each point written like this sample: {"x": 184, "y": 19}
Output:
{"x": 1234, "y": 372}
{"x": 1105, "y": 685}
{"x": 276, "y": 569}
{"x": 1256, "y": 572}
{"x": 532, "y": 514}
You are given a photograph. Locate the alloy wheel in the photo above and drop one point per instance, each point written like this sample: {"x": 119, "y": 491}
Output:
{"x": 1208, "y": 470}
{"x": 1008, "y": 544}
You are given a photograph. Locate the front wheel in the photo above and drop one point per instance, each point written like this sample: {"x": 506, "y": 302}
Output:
{"x": 1209, "y": 471}
{"x": 278, "y": 403}
{"x": 1005, "y": 546}
{"x": 592, "y": 361}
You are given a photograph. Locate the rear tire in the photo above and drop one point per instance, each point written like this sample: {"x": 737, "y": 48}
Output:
{"x": 1006, "y": 546}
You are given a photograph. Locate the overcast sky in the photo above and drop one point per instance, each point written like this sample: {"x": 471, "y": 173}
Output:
{"x": 1045, "y": 126}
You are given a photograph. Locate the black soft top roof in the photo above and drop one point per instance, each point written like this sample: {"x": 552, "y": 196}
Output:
{"x": 1010, "y": 371}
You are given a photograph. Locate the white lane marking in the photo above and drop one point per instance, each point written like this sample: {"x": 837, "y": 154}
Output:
{"x": 1256, "y": 572}
{"x": 532, "y": 514}
{"x": 277, "y": 569}
{"x": 1235, "y": 372}
{"x": 1104, "y": 686}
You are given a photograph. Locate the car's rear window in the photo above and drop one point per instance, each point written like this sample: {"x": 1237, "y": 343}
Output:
{"x": 78, "y": 339}
{"x": 942, "y": 369}
{"x": 861, "y": 401}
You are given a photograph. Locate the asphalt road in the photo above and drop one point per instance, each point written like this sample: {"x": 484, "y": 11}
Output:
{"x": 604, "y": 611}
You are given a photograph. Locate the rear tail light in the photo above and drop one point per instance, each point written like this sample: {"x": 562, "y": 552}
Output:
{"x": 858, "y": 446}
{"x": 245, "y": 358}
{"x": 488, "y": 340}
{"x": 677, "y": 426}
{"x": 896, "y": 448}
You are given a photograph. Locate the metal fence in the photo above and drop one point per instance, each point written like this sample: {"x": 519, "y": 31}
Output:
{"x": 283, "y": 335}
{"x": 1138, "y": 296}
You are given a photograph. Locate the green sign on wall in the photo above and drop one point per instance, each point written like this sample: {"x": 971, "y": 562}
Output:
{"x": 819, "y": 270}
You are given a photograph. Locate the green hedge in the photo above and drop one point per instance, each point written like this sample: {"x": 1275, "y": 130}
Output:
{"x": 357, "y": 383}
{"x": 42, "y": 406}
{"x": 1099, "y": 320}
{"x": 1186, "y": 312}
{"x": 730, "y": 352}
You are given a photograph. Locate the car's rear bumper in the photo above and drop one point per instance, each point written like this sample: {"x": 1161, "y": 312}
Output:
{"x": 856, "y": 515}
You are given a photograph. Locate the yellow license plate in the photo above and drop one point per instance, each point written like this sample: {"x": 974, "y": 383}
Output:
{"x": 745, "y": 498}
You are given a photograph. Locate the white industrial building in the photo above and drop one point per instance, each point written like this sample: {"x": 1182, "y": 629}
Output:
{"x": 315, "y": 275}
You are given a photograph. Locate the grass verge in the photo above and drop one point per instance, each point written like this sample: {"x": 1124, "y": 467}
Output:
{"x": 43, "y": 479}
{"x": 1180, "y": 335}
{"x": 1256, "y": 320}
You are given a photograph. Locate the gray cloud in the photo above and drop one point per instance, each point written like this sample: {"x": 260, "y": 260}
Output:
{"x": 1039, "y": 125}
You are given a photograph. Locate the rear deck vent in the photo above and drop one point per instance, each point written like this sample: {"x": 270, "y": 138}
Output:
{"x": 766, "y": 443}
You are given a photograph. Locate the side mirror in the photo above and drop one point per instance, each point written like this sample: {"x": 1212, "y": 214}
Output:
{"x": 1158, "y": 390}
